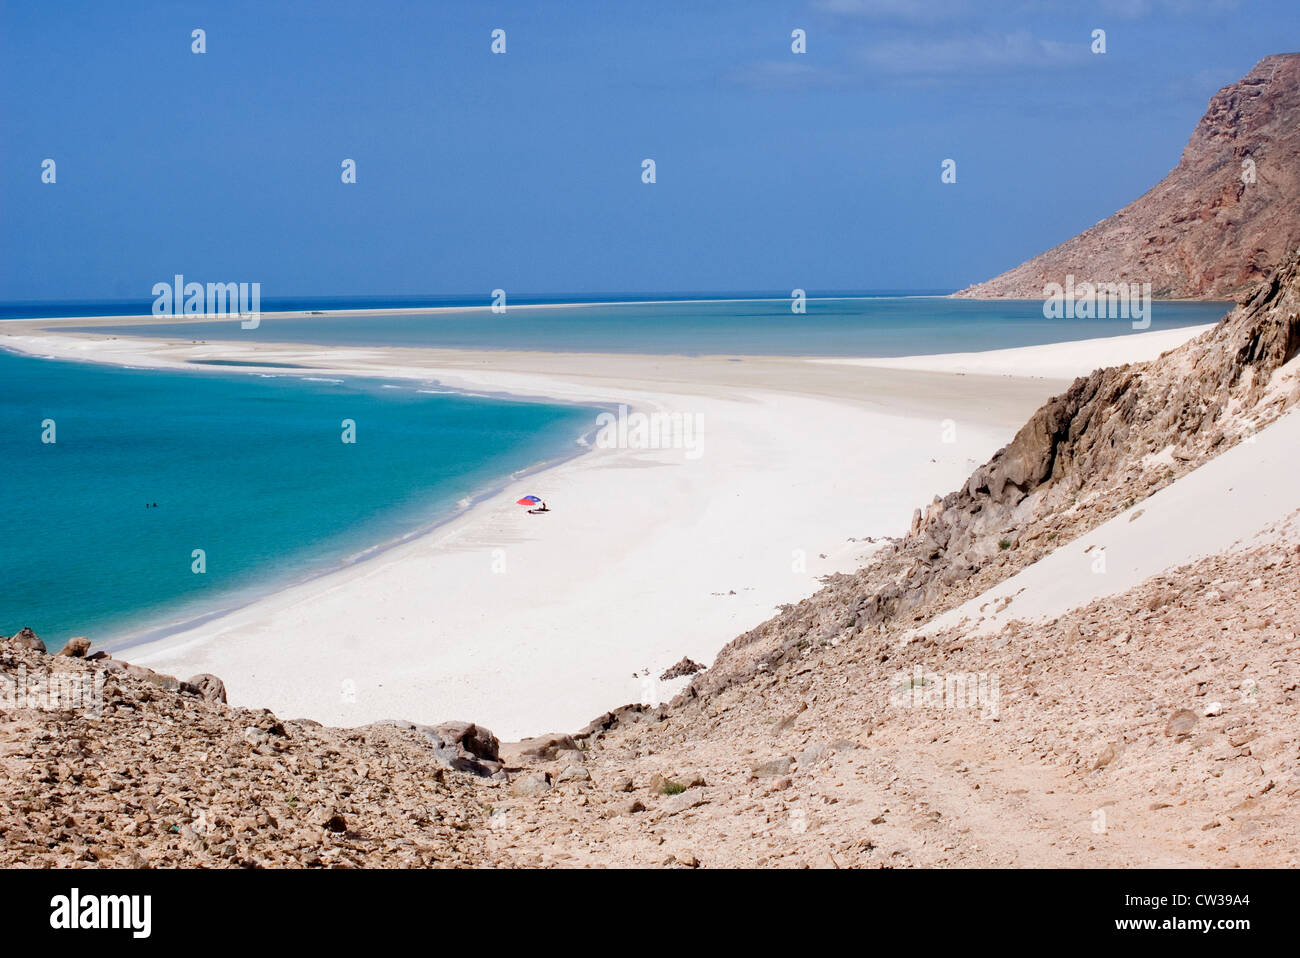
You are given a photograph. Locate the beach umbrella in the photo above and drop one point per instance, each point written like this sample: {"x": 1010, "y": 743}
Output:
{"x": 528, "y": 501}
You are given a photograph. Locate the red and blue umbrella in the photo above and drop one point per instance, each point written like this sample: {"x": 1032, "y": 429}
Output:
{"x": 528, "y": 501}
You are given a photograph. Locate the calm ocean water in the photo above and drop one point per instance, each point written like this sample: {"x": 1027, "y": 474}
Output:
{"x": 251, "y": 469}
{"x": 872, "y": 326}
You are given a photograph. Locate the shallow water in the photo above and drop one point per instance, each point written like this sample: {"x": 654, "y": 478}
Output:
{"x": 249, "y": 468}
{"x": 877, "y": 326}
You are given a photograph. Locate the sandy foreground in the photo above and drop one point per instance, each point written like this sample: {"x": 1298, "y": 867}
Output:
{"x": 528, "y": 624}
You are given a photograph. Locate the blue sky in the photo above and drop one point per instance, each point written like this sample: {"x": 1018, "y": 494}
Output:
{"x": 523, "y": 170}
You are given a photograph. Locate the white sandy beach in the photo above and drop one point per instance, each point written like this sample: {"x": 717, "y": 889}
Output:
{"x": 528, "y": 624}
{"x": 1053, "y": 361}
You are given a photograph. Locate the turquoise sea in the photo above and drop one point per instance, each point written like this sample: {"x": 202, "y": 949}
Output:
{"x": 856, "y": 326}
{"x": 251, "y": 468}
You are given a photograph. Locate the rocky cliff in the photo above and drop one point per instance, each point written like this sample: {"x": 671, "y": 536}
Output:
{"x": 1112, "y": 439}
{"x": 1216, "y": 225}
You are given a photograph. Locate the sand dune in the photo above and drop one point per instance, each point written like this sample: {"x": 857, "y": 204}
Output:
{"x": 1224, "y": 504}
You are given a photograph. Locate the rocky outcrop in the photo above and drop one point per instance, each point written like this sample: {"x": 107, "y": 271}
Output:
{"x": 77, "y": 647}
{"x": 544, "y": 748}
{"x": 131, "y": 774}
{"x": 1216, "y": 225}
{"x": 683, "y": 668}
{"x": 460, "y": 746}
{"x": 1112, "y": 439}
{"x": 205, "y": 686}
{"x": 25, "y": 638}
{"x": 624, "y": 715}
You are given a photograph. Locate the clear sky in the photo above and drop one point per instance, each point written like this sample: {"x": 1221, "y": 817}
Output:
{"x": 523, "y": 171}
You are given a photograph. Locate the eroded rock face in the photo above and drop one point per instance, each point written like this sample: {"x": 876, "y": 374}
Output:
{"x": 1202, "y": 232}
{"x": 1109, "y": 441}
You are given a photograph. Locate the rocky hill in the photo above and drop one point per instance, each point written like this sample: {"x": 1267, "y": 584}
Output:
{"x": 150, "y": 772}
{"x": 1216, "y": 225}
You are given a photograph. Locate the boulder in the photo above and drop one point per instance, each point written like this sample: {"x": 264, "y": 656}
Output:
{"x": 25, "y": 638}
{"x": 623, "y": 715}
{"x": 682, "y": 668}
{"x": 160, "y": 679}
{"x": 474, "y": 739}
{"x": 205, "y": 686}
{"x": 536, "y": 783}
{"x": 1180, "y": 723}
{"x": 692, "y": 798}
{"x": 460, "y": 746}
{"x": 545, "y": 747}
{"x": 77, "y": 647}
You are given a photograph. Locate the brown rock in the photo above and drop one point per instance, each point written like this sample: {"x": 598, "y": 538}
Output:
{"x": 77, "y": 647}
{"x": 461, "y": 746}
{"x": 544, "y": 747}
{"x": 205, "y": 686}
{"x": 1181, "y": 723}
{"x": 533, "y": 784}
{"x": 25, "y": 638}
{"x": 471, "y": 738}
{"x": 163, "y": 681}
{"x": 682, "y": 668}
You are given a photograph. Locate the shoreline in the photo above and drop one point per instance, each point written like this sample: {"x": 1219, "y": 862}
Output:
{"x": 142, "y": 319}
{"x": 246, "y": 597}
{"x": 133, "y": 319}
{"x": 648, "y": 556}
